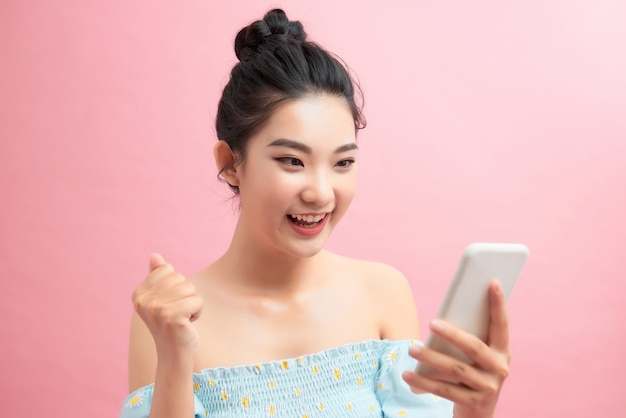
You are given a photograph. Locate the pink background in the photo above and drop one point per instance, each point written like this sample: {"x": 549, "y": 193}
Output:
{"x": 488, "y": 121}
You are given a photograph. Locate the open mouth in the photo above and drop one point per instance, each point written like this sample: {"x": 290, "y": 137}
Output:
{"x": 307, "y": 221}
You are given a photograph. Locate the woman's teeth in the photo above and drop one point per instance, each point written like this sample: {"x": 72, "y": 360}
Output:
{"x": 308, "y": 218}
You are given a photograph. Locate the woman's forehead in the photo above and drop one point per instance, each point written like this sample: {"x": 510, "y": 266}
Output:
{"x": 311, "y": 120}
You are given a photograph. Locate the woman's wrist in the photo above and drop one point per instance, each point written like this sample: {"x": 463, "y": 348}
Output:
{"x": 173, "y": 387}
{"x": 461, "y": 411}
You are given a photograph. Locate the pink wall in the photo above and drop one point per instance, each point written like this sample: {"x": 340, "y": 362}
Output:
{"x": 488, "y": 120}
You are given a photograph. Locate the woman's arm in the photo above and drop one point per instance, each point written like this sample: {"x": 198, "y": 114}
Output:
{"x": 163, "y": 340}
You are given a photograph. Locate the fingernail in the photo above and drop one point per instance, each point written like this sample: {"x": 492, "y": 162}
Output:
{"x": 437, "y": 325}
{"x": 415, "y": 350}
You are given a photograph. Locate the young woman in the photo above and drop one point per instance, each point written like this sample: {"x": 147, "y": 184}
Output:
{"x": 278, "y": 326}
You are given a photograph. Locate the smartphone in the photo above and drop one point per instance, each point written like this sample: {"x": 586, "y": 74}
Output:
{"x": 466, "y": 304}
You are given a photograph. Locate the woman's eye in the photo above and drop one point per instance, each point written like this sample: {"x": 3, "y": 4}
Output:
{"x": 290, "y": 161}
{"x": 345, "y": 163}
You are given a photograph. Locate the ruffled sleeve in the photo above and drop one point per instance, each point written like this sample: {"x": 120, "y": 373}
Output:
{"x": 395, "y": 396}
{"x": 137, "y": 404}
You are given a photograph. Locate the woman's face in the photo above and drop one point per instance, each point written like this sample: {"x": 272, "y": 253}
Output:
{"x": 299, "y": 175}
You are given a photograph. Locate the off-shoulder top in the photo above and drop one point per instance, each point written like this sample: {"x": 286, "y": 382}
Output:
{"x": 358, "y": 380}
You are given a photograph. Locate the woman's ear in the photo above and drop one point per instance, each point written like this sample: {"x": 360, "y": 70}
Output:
{"x": 226, "y": 162}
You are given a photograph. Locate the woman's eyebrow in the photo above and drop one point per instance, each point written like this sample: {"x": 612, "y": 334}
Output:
{"x": 348, "y": 147}
{"x": 299, "y": 146}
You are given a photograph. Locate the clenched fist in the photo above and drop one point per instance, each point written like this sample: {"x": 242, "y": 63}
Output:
{"x": 168, "y": 303}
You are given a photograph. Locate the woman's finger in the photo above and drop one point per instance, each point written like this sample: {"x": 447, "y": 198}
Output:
{"x": 480, "y": 353}
{"x": 453, "y": 392}
{"x": 156, "y": 260}
{"x": 450, "y": 369}
{"x": 498, "y": 319}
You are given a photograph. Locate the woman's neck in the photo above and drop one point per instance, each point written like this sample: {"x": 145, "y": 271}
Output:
{"x": 259, "y": 269}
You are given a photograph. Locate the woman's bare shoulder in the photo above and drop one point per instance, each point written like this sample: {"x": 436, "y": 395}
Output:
{"x": 387, "y": 288}
{"x": 374, "y": 272}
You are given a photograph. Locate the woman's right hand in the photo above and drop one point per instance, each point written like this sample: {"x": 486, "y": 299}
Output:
{"x": 168, "y": 303}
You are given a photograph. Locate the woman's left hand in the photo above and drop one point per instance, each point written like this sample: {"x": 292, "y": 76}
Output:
{"x": 476, "y": 394}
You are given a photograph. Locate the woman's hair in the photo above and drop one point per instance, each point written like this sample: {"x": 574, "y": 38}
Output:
{"x": 276, "y": 64}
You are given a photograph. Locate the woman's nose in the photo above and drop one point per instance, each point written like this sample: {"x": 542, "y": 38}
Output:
{"x": 319, "y": 189}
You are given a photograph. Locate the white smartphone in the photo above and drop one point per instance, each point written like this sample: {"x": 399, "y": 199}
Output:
{"x": 466, "y": 304}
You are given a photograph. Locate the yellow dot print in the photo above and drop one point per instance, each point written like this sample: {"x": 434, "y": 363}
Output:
{"x": 245, "y": 402}
{"x": 257, "y": 369}
{"x": 372, "y": 409}
{"x": 375, "y": 362}
{"x": 224, "y": 395}
{"x": 393, "y": 356}
{"x": 211, "y": 382}
{"x": 337, "y": 374}
{"x": 380, "y": 386}
{"x": 135, "y": 401}
{"x": 305, "y": 416}
{"x": 271, "y": 410}
{"x": 299, "y": 362}
{"x": 320, "y": 406}
{"x": 359, "y": 381}
{"x": 349, "y": 406}
{"x": 315, "y": 369}
{"x": 196, "y": 387}
{"x": 402, "y": 412}
{"x": 284, "y": 365}
{"x": 271, "y": 384}
{"x": 357, "y": 356}
{"x": 297, "y": 392}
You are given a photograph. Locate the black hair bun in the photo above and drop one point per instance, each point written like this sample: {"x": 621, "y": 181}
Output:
{"x": 274, "y": 26}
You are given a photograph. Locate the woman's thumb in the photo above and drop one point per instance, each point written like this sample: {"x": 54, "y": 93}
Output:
{"x": 156, "y": 260}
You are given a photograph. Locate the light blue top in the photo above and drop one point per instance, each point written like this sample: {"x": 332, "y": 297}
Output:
{"x": 355, "y": 380}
